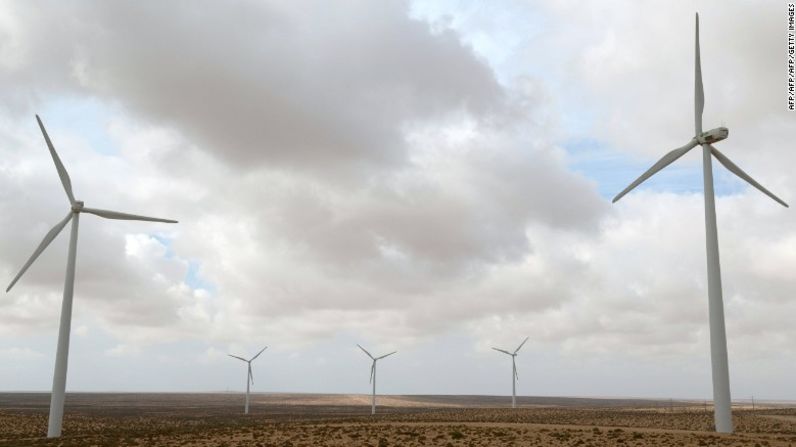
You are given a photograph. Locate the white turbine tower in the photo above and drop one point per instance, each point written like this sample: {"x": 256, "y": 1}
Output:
{"x": 718, "y": 338}
{"x": 514, "y": 375}
{"x": 62, "y": 352}
{"x": 373, "y": 376}
{"x": 249, "y": 376}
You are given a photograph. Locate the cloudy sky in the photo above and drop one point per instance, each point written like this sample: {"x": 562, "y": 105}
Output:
{"x": 428, "y": 176}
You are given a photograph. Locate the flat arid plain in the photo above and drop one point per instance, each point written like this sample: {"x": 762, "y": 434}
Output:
{"x": 344, "y": 420}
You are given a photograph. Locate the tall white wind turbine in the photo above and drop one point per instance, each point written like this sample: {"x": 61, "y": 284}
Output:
{"x": 62, "y": 353}
{"x": 249, "y": 376}
{"x": 373, "y": 376}
{"x": 514, "y": 375}
{"x": 718, "y": 338}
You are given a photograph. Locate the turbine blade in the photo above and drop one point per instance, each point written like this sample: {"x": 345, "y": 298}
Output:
{"x": 386, "y": 355}
{"x": 239, "y": 358}
{"x": 502, "y": 350}
{"x": 251, "y": 376}
{"x": 732, "y": 167}
{"x": 699, "y": 93}
{"x": 666, "y": 160}
{"x": 365, "y": 351}
{"x": 258, "y": 354}
{"x": 124, "y": 216}
{"x": 372, "y": 371}
{"x": 65, "y": 180}
{"x": 516, "y": 376}
{"x": 520, "y": 346}
{"x": 44, "y": 243}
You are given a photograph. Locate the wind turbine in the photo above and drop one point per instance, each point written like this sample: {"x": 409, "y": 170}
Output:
{"x": 718, "y": 338}
{"x": 62, "y": 353}
{"x": 514, "y": 375}
{"x": 249, "y": 376}
{"x": 373, "y": 376}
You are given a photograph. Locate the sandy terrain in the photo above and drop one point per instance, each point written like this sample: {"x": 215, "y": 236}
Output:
{"x": 344, "y": 420}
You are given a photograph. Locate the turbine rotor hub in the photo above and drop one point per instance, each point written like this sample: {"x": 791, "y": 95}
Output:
{"x": 77, "y": 206}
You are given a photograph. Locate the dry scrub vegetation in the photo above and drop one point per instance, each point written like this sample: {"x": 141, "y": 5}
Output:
{"x": 294, "y": 426}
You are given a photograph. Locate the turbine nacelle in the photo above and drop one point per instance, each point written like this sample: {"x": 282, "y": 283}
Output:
{"x": 77, "y": 206}
{"x": 713, "y": 135}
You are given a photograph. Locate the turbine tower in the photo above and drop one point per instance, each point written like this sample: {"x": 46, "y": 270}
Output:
{"x": 62, "y": 353}
{"x": 249, "y": 376}
{"x": 373, "y": 376}
{"x": 718, "y": 338}
{"x": 514, "y": 375}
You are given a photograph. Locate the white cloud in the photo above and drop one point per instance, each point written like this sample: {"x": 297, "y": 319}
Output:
{"x": 123, "y": 350}
{"x": 15, "y": 354}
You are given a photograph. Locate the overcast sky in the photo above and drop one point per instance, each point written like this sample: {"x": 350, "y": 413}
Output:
{"x": 428, "y": 177}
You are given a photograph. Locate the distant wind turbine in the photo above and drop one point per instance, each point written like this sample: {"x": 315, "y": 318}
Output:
{"x": 373, "y": 376}
{"x": 514, "y": 375}
{"x": 62, "y": 353}
{"x": 718, "y": 337}
{"x": 249, "y": 376}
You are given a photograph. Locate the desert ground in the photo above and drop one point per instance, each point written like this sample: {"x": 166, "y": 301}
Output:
{"x": 344, "y": 420}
